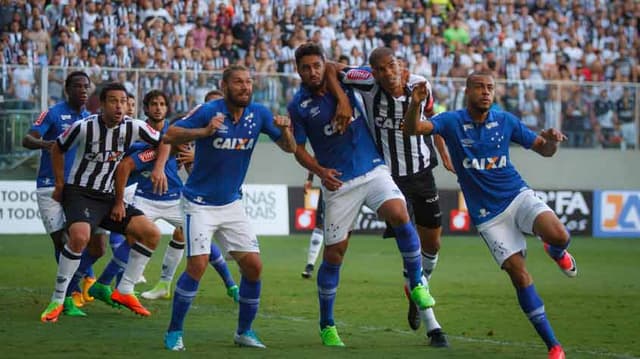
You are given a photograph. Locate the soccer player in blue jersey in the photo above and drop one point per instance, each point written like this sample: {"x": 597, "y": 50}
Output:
{"x": 352, "y": 173}
{"x": 225, "y": 132}
{"x": 87, "y": 197}
{"x": 42, "y": 135}
{"x": 501, "y": 204}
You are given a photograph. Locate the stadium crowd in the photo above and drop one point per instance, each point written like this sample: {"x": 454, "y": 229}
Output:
{"x": 523, "y": 42}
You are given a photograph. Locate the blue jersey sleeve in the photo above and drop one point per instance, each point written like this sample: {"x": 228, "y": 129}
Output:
{"x": 521, "y": 134}
{"x": 268, "y": 126}
{"x": 144, "y": 159}
{"x": 299, "y": 132}
{"x": 439, "y": 122}
{"x": 42, "y": 123}
{"x": 198, "y": 117}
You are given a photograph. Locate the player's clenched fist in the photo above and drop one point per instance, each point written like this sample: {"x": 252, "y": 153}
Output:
{"x": 282, "y": 121}
{"x": 215, "y": 123}
{"x": 552, "y": 134}
{"x": 419, "y": 92}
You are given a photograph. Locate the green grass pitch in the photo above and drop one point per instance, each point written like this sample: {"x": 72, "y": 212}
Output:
{"x": 596, "y": 315}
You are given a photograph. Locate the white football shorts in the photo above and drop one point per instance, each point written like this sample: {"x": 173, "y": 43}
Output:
{"x": 51, "y": 212}
{"x": 228, "y": 224}
{"x": 170, "y": 211}
{"x": 342, "y": 206}
{"x": 503, "y": 234}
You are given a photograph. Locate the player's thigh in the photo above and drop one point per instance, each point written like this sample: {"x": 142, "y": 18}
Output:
{"x": 234, "y": 233}
{"x": 200, "y": 222}
{"x": 170, "y": 211}
{"x": 503, "y": 238}
{"x": 51, "y": 212}
{"x": 380, "y": 190}
{"x": 529, "y": 207}
{"x": 341, "y": 210}
{"x": 424, "y": 198}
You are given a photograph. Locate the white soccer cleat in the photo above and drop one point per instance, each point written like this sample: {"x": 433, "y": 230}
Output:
{"x": 248, "y": 339}
{"x": 162, "y": 290}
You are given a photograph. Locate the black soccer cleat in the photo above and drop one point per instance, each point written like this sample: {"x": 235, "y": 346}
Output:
{"x": 438, "y": 339}
{"x": 308, "y": 271}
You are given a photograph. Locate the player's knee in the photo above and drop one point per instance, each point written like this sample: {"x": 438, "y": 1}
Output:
{"x": 334, "y": 254}
{"x": 429, "y": 239}
{"x": 556, "y": 234}
{"x": 251, "y": 266}
{"x": 178, "y": 235}
{"x": 196, "y": 266}
{"x": 517, "y": 271}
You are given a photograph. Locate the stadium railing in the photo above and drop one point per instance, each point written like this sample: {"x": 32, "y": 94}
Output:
{"x": 187, "y": 88}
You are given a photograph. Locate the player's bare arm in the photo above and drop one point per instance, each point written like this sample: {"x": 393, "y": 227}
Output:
{"x": 444, "y": 153}
{"x": 412, "y": 122}
{"x": 158, "y": 177}
{"x": 178, "y": 135}
{"x": 124, "y": 169}
{"x": 287, "y": 143}
{"x": 328, "y": 176}
{"x": 33, "y": 141}
{"x": 344, "y": 110}
{"x": 185, "y": 155}
{"x": 546, "y": 144}
{"x": 57, "y": 163}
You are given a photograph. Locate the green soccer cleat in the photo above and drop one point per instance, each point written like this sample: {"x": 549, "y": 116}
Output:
{"x": 421, "y": 296}
{"x": 330, "y": 337}
{"x": 70, "y": 308}
{"x": 234, "y": 293}
{"x": 162, "y": 290}
{"x": 103, "y": 293}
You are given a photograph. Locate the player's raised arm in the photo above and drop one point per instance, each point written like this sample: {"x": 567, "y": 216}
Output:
{"x": 344, "y": 110}
{"x": 193, "y": 127}
{"x": 413, "y": 124}
{"x": 546, "y": 144}
{"x": 286, "y": 142}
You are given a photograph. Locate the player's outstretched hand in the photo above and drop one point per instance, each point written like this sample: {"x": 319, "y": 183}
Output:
{"x": 329, "y": 177}
{"x": 344, "y": 114}
{"x": 419, "y": 92}
{"x": 281, "y": 121}
{"x": 215, "y": 124}
{"x": 551, "y": 134}
{"x": 118, "y": 211}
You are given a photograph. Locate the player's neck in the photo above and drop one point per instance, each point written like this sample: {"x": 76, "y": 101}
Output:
{"x": 477, "y": 116}
{"x": 77, "y": 107}
{"x": 236, "y": 112}
{"x": 157, "y": 125}
{"x": 396, "y": 91}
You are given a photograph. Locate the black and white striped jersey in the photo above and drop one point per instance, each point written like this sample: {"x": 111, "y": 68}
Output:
{"x": 405, "y": 155}
{"x": 99, "y": 149}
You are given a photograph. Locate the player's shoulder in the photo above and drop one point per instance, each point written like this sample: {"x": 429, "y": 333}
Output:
{"x": 457, "y": 115}
{"x": 504, "y": 116}
{"x": 300, "y": 100}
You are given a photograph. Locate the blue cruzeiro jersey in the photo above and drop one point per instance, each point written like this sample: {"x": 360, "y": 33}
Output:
{"x": 480, "y": 155}
{"x": 221, "y": 160}
{"x": 353, "y": 153}
{"x": 49, "y": 125}
{"x": 144, "y": 157}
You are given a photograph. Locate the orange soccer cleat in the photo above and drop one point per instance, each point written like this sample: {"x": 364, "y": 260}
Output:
{"x": 130, "y": 301}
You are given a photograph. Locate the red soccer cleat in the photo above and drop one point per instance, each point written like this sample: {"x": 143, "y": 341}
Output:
{"x": 567, "y": 264}
{"x": 556, "y": 352}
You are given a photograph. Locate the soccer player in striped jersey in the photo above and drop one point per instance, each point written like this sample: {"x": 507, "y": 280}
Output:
{"x": 386, "y": 94}
{"x": 42, "y": 135}
{"x": 352, "y": 173}
{"x": 317, "y": 236}
{"x": 501, "y": 204}
{"x": 225, "y": 132}
{"x": 87, "y": 195}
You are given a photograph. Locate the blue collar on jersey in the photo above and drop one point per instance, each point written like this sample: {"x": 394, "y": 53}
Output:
{"x": 467, "y": 118}
{"x": 83, "y": 109}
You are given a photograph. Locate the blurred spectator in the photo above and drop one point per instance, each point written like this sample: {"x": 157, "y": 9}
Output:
{"x": 575, "y": 123}
{"x": 604, "y": 116}
{"x": 22, "y": 86}
{"x": 625, "y": 108}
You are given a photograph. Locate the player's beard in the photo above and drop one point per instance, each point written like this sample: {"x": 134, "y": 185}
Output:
{"x": 315, "y": 88}
{"x": 237, "y": 102}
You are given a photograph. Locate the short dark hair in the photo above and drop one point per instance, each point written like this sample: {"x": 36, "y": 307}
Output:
{"x": 230, "y": 70}
{"x": 153, "y": 94}
{"x": 478, "y": 73}
{"x": 377, "y": 54}
{"x": 130, "y": 95}
{"x": 71, "y": 76}
{"x": 213, "y": 93}
{"x": 111, "y": 86}
{"x": 308, "y": 49}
